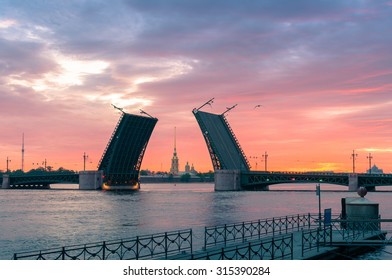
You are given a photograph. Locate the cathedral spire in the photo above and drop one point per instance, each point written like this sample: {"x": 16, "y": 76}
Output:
{"x": 175, "y": 135}
{"x": 174, "y": 163}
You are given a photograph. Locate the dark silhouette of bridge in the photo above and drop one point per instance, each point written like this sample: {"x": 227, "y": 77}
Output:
{"x": 261, "y": 180}
{"x": 120, "y": 164}
{"x": 42, "y": 180}
{"x": 223, "y": 146}
{"x": 232, "y": 169}
{"x": 118, "y": 168}
{"x": 124, "y": 153}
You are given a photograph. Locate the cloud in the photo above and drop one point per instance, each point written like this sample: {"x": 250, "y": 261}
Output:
{"x": 6, "y": 23}
{"x": 319, "y": 68}
{"x": 380, "y": 150}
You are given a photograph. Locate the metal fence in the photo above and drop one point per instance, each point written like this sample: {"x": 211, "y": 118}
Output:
{"x": 275, "y": 248}
{"x": 276, "y": 238}
{"x": 159, "y": 245}
{"x": 356, "y": 229}
{"x": 341, "y": 232}
{"x": 241, "y": 232}
{"x": 315, "y": 238}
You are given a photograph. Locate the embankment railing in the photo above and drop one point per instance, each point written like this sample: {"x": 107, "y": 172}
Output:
{"x": 261, "y": 239}
{"x": 274, "y": 248}
{"x": 355, "y": 229}
{"x": 159, "y": 245}
{"x": 316, "y": 237}
{"x": 241, "y": 232}
{"x": 341, "y": 231}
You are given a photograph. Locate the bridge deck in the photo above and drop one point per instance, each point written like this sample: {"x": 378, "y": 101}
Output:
{"x": 42, "y": 180}
{"x": 254, "y": 180}
{"x": 123, "y": 155}
{"x": 224, "y": 148}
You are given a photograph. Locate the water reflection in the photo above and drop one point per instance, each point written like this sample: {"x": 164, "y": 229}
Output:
{"x": 39, "y": 219}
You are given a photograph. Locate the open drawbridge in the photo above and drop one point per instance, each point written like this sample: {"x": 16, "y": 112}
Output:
{"x": 124, "y": 152}
{"x": 223, "y": 146}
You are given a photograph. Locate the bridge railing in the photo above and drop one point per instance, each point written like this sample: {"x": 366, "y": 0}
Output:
{"x": 159, "y": 245}
{"x": 242, "y": 232}
{"x": 110, "y": 140}
{"x": 275, "y": 248}
{"x": 247, "y": 164}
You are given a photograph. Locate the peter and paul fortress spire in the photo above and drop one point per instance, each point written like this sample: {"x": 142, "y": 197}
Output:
{"x": 174, "y": 162}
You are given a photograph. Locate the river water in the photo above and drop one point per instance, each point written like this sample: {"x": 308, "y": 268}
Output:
{"x": 63, "y": 215}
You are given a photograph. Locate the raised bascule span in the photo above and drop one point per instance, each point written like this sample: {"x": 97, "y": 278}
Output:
{"x": 122, "y": 158}
{"x": 227, "y": 156}
{"x": 223, "y": 146}
{"x": 118, "y": 169}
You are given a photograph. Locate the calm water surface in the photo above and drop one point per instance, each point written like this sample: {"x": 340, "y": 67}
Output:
{"x": 41, "y": 219}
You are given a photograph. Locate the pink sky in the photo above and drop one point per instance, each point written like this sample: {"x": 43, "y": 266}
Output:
{"x": 321, "y": 69}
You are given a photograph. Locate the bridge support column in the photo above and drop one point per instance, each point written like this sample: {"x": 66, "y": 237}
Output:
{"x": 227, "y": 180}
{"x": 90, "y": 180}
{"x": 6, "y": 181}
{"x": 353, "y": 182}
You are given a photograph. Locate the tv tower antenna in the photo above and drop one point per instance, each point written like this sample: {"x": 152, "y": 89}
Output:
{"x": 175, "y": 138}
{"x": 23, "y": 150}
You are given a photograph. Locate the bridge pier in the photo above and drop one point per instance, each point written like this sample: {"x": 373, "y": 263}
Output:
{"x": 90, "y": 180}
{"x": 227, "y": 180}
{"x": 6, "y": 181}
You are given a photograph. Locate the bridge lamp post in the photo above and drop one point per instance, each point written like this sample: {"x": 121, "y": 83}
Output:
{"x": 8, "y": 160}
{"x": 265, "y": 156}
{"x": 84, "y": 161}
{"x": 44, "y": 164}
{"x": 369, "y": 157}
{"x": 354, "y": 155}
{"x": 255, "y": 158}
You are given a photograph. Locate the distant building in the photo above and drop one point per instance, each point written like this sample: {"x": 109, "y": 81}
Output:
{"x": 193, "y": 171}
{"x": 190, "y": 169}
{"x": 375, "y": 170}
{"x": 174, "y": 162}
{"x": 187, "y": 168}
{"x": 174, "y": 169}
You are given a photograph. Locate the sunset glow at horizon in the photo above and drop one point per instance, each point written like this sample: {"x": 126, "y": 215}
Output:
{"x": 322, "y": 71}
